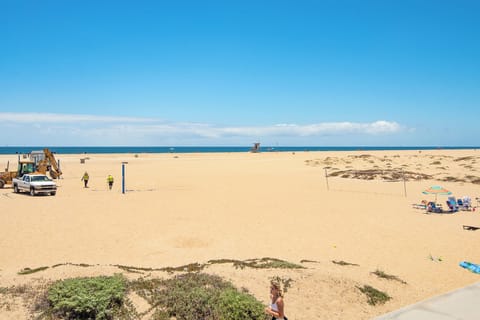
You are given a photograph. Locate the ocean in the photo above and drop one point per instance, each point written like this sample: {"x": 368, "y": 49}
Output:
{"x": 206, "y": 149}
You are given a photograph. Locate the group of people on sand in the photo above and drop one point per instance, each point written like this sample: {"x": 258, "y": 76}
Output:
{"x": 86, "y": 178}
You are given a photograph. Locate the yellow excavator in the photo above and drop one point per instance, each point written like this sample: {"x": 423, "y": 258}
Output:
{"x": 29, "y": 165}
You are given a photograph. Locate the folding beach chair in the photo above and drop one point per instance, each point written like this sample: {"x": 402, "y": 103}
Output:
{"x": 467, "y": 203}
{"x": 452, "y": 204}
{"x": 432, "y": 207}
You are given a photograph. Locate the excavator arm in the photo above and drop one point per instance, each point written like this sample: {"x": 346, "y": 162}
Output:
{"x": 55, "y": 171}
{"x": 49, "y": 155}
{"x": 49, "y": 163}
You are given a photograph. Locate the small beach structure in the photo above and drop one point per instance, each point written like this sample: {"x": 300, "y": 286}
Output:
{"x": 255, "y": 148}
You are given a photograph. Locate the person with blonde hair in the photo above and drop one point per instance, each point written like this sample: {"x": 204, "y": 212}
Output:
{"x": 276, "y": 308}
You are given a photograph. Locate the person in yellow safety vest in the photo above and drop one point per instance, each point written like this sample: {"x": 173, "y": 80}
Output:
{"x": 85, "y": 179}
{"x": 110, "y": 181}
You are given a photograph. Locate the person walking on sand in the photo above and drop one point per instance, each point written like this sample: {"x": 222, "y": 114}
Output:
{"x": 110, "y": 181}
{"x": 276, "y": 308}
{"x": 85, "y": 179}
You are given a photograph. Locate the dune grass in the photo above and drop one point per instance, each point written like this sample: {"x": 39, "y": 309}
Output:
{"x": 374, "y": 296}
{"x": 384, "y": 275}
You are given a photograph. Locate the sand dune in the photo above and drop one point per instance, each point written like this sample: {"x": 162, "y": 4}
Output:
{"x": 186, "y": 208}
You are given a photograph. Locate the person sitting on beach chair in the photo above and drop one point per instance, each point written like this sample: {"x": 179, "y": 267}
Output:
{"x": 432, "y": 207}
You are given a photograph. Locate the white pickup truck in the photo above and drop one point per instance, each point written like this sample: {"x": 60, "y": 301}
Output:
{"x": 34, "y": 184}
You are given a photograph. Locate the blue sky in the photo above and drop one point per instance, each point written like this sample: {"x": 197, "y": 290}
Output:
{"x": 333, "y": 73}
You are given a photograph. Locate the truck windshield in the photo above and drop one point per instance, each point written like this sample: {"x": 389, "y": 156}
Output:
{"x": 40, "y": 178}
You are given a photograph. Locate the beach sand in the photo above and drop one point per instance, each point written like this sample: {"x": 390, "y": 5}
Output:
{"x": 186, "y": 208}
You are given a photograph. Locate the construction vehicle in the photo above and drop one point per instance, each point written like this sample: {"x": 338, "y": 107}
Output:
{"x": 28, "y": 164}
{"x": 24, "y": 166}
{"x": 48, "y": 164}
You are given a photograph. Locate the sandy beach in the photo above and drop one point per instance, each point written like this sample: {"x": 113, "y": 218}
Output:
{"x": 186, "y": 208}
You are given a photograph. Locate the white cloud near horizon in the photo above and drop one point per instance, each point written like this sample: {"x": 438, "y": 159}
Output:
{"x": 137, "y": 130}
{"x": 35, "y": 117}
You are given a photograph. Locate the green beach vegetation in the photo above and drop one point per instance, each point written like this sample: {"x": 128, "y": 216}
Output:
{"x": 188, "y": 296}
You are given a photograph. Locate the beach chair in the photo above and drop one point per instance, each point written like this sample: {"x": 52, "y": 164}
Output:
{"x": 467, "y": 203}
{"x": 452, "y": 204}
{"x": 432, "y": 207}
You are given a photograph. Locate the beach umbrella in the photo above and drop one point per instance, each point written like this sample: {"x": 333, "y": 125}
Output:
{"x": 437, "y": 190}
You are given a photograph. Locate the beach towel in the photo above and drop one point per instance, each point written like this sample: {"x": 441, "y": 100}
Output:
{"x": 470, "y": 266}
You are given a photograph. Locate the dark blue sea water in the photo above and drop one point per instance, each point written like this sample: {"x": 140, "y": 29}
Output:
{"x": 203, "y": 149}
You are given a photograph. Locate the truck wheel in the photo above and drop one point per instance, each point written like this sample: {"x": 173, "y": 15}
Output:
{"x": 15, "y": 188}
{"x": 32, "y": 192}
{"x": 53, "y": 193}
{"x": 2, "y": 183}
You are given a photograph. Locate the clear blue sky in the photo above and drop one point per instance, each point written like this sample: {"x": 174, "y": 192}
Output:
{"x": 334, "y": 72}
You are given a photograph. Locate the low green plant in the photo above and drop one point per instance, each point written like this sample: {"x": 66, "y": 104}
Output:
{"x": 222, "y": 261}
{"x": 30, "y": 271}
{"x": 309, "y": 261}
{"x": 192, "y": 267}
{"x": 344, "y": 263}
{"x": 193, "y": 296}
{"x": 188, "y": 300}
{"x": 189, "y": 296}
{"x": 374, "y": 296}
{"x": 383, "y": 275}
{"x": 261, "y": 263}
{"x": 267, "y": 263}
{"x": 133, "y": 269}
{"x": 87, "y": 298}
{"x": 234, "y": 305}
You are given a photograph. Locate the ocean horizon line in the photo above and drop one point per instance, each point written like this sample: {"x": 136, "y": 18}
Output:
{"x": 213, "y": 149}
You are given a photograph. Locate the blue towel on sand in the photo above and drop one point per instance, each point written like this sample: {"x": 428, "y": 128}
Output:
{"x": 470, "y": 266}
